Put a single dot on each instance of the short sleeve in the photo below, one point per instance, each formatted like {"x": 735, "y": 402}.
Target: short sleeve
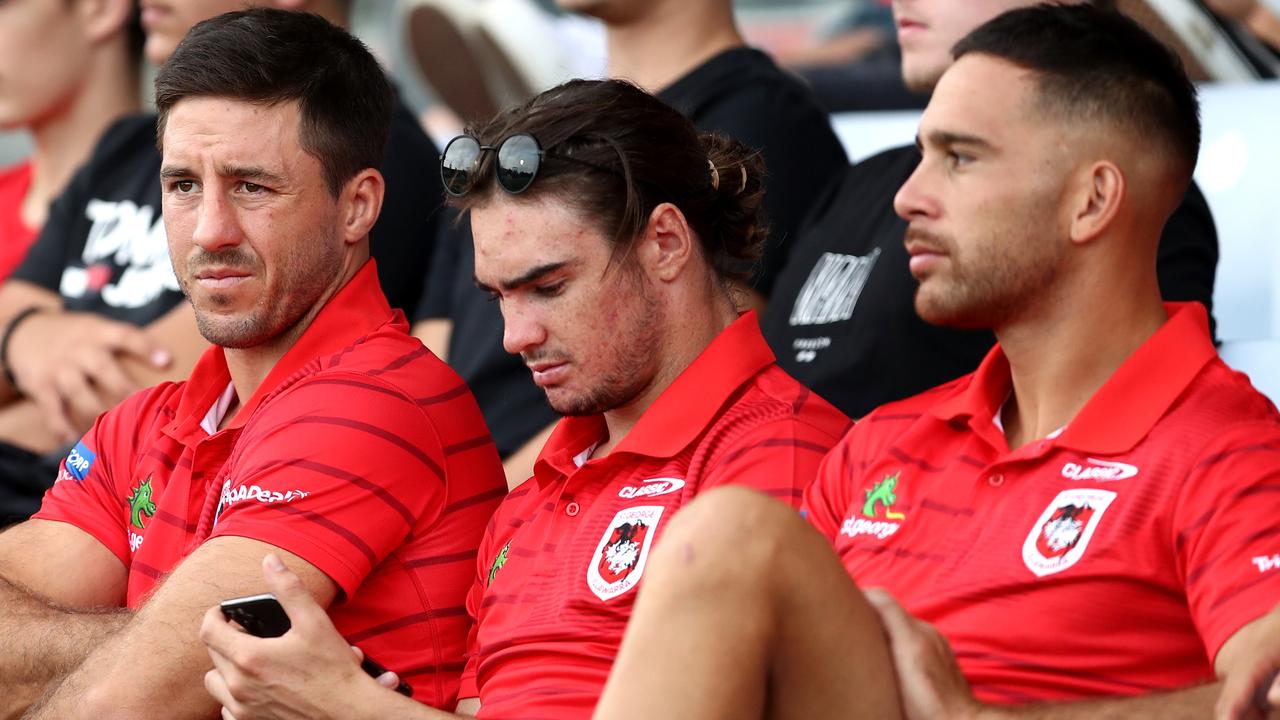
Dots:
{"x": 338, "y": 470}
{"x": 827, "y": 497}
{"x": 779, "y": 458}
{"x": 484, "y": 560}
{"x": 91, "y": 486}
{"x": 1228, "y": 534}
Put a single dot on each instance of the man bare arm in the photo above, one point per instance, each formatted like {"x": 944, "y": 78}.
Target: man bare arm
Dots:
{"x": 61, "y": 593}
{"x": 161, "y": 642}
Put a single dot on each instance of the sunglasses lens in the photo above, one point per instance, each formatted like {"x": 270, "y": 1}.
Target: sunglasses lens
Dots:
{"x": 518, "y": 158}
{"x": 458, "y": 164}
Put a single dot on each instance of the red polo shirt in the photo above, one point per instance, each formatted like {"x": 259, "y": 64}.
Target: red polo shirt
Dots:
{"x": 1112, "y": 559}
{"x": 361, "y": 452}
{"x": 561, "y": 559}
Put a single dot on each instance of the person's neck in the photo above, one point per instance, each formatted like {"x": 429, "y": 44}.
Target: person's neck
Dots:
{"x": 660, "y": 48}
{"x": 689, "y": 335}
{"x": 250, "y": 366}
{"x": 65, "y": 141}
{"x": 1064, "y": 354}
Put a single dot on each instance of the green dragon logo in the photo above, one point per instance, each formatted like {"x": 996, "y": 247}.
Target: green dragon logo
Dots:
{"x": 498, "y": 562}
{"x": 140, "y": 504}
{"x": 882, "y": 494}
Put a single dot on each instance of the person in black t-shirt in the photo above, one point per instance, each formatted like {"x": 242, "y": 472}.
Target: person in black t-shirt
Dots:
{"x": 691, "y": 55}
{"x": 842, "y": 318}
{"x": 95, "y": 312}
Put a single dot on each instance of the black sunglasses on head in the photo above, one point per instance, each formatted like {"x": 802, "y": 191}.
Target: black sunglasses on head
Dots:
{"x": 518, "y": 158}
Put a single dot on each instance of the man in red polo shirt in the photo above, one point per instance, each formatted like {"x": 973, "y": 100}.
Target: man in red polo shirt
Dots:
{"x": 611, "y": 232}
{"x": 316, "y": 432}
{"x": 1082, "y": 528}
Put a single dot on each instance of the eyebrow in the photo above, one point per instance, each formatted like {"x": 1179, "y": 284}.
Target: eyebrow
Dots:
{"x": 244, "y": 172}
{"x": 951, "y": 139}
{"x": 530, "y": 276}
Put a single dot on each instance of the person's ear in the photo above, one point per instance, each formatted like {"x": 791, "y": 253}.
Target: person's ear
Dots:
{"x": 103, "y": 19}
{"x": 1096, "y": 200}
{"x": 361, "y": 201}
{"x": 666, "y": 245}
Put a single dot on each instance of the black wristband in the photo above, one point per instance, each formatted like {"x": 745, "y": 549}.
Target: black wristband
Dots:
{"x": 4, "y": 343}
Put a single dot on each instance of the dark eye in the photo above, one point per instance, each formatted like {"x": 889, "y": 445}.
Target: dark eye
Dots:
{"x": 184, "y": 186}
{"x": 551, "y": 290}
{"x": 252, "y": 188}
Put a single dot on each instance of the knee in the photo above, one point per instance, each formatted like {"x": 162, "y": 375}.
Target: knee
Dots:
{"x": 729, "y": 535}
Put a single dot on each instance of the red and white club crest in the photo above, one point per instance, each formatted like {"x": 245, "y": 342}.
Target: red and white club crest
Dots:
{"x": 1060, "y": 536}
{"x": 619, "y": 559}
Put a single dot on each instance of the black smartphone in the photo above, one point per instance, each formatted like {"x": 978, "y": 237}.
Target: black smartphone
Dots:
{"x": 262, "y": 616}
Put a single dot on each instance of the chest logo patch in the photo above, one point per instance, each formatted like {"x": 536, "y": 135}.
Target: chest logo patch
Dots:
{"x": 620, "y": 556}
{"x": 651, "y": 487}
{"x": 141, "y": 506}
{"x": 1059, "y": 538}
{"x": 878, "y": 517}
{"x": 1098, "y": 471}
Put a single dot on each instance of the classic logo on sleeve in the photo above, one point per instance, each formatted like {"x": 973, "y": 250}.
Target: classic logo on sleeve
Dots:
{"x": 619, "y": 559}
{"x": 878, "y": 516}
{"x": 77, "y": 464}
{"x": 1060, "y": 536}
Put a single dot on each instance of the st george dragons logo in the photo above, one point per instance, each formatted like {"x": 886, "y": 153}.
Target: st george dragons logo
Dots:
{"x": 1059, "y": 538}
{"x": 619, "y": 559}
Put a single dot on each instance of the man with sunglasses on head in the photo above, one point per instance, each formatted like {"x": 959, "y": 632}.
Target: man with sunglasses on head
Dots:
{"x": 316, "y": 432}
{"x": 610, "y": 233}
{"x": 841, "y": 317}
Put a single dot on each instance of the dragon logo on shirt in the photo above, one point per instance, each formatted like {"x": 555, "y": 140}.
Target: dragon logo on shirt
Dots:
{"x": 881, "y": 496}
{"x": 140, "y": 504}
{"x": 498, "y": 561}
{"x": 620, "y": 556}
{"x": 1058, "y": 539}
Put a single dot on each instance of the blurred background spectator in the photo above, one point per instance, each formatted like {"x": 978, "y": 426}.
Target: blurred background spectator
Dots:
{"x": 68, "y": 69}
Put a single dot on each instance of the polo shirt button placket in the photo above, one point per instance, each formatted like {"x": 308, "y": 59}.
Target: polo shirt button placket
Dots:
{"x": 572, "y": 509}
{"x": 995, "y": 480}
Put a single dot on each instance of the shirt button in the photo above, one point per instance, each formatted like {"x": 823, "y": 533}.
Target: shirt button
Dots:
{"x": 572, "y": 509}
{"x": 995, "y": 480}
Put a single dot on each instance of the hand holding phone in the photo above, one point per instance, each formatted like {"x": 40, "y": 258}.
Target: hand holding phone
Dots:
{"x": 264, "y": 617}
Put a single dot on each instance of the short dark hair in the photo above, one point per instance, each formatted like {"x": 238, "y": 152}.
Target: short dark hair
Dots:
{"x": 614, "y": 152}
{"x": 1098, "y": 64}
{"x": 270, "y": 56}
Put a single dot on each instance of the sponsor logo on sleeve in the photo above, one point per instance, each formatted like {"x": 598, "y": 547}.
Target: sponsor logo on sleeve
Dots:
{"x": 1059, "y": 538}
{"x": 878, "y": 518}
{"x": 233, "y": 495}
{"x": 1098, "y": 471}
{"x": 1267, "y": 563}
{"x": 77, "y": 464}
{"x": 651, "y": 487}
{"x": 620, "y": 556}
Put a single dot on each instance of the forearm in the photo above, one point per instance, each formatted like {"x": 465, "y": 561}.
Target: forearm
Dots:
{"x": 1194, "y": 703}
{"x": 43, "y": 642}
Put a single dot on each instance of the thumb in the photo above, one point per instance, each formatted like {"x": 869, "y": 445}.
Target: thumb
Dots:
{"x": 896, "y": 621}
{"x": 289, "y": 590}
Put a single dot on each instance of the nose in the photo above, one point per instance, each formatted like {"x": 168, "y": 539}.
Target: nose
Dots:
{"x": 916, "y": 199}
{"x": 216, "y": 223}
{"x": 522, "y": 329}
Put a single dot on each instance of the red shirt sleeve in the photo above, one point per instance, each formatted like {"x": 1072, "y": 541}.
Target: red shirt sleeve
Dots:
{"x": 779, "y": 458}
{"x": 827, "y": 498}
{"x": 339, "y": 479}
{"x": 1227, "y": 535}
{"x": 93, "y": 479}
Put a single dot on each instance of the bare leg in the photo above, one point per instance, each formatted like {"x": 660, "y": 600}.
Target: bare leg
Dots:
{"x": 745, "y": 612}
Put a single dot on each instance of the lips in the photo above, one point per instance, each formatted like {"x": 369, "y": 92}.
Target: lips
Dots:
{"x": 220, "y": 278}
{"x": 154, "y": 13}
{"x": 546, "y": 374}
{"x": 924, "y": 255}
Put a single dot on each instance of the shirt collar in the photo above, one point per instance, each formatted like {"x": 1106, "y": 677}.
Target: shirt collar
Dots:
{"x": 356, "y": 310}
{"x": 682, "y": 411}
{"x": 1127, "y": 406}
